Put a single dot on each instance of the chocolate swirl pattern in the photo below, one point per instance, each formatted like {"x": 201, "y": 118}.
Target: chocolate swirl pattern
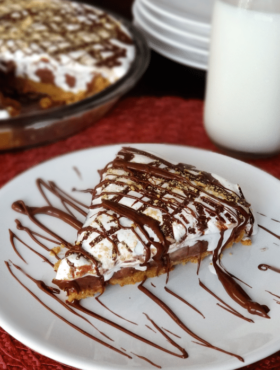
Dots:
{"x": 51, "y": 211}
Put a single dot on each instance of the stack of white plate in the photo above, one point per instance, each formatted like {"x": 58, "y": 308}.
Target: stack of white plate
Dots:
{"x": 177, "y": 29}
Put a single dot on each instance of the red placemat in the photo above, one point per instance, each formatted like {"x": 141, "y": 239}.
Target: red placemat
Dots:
{"x": 159, "y": 120}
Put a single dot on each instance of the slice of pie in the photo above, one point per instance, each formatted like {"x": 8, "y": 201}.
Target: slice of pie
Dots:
{"x": 148, "y": 215}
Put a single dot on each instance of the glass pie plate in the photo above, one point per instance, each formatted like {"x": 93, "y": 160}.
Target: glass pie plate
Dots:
{"x": 41, "y": 127}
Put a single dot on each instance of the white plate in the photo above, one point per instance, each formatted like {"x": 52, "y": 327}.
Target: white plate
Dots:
{"x": 172, "y": 33}
{"x": 197, "y": 11}
{"x": 185, "y": 23}
{"x": 28, "y": 321}
{"x": 169, "y": 51}
{"x": 187, "y": 56}
{"x": 179, "y": 52}
{"x": 140, "y": 18}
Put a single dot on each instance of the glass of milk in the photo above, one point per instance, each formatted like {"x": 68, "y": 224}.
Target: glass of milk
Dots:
{"x": 242, "y": 109}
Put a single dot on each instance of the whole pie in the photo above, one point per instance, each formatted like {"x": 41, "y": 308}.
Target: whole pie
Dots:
{"x": 57, "y": 52}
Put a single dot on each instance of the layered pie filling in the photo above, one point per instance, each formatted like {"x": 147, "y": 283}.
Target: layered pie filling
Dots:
{"x": 57, "y": 52}
{"x": 148, "y": 215}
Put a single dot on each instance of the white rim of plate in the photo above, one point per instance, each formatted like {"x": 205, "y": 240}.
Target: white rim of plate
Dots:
{"x": 141, "y": 8}
{"x": 174, "y": 57}
{"x": 174, "y": 16}
{"x": 139, "y": 20}
{"x": 185, "y": 61}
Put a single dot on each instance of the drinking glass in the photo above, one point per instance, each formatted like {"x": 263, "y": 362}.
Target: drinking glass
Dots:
{"x": 242, "y": 109}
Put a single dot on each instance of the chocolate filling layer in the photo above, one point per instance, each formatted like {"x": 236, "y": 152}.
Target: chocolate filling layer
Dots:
{"x": 94, "y": 282}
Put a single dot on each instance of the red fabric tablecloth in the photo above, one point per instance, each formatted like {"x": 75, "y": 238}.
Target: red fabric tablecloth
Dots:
{"x": 147, "y": 119}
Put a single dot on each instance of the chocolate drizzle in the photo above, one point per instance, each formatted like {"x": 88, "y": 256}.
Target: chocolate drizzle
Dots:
{"x": 147, "y": 360}
{"x": 170, "y": 332}
{"x": 32, "y": 234}
{"x": 171, "y": 341}
{"x": 65, "y": 198}
{"x": 50, "y": 291}
{"x": 150, "y": 328}
{"x": 76, "y": 304}
{"x": 75, "y": 168}
{"x": 270, "y": 232}
{"x": 14, "y": 236}
{"x": 31, "y": 212}
{"x": 229, "y": 308}
{"x": 264, "y": 267}
{"x": 63, "y": 319}
{"x": 277, "y": 296}
{"x": 183, "y": 300}
{"x": 141, "y": 220}
{"x": 233, "y": 289}
{"x": 164, "y": 306}
{"x": 103, "y": 305}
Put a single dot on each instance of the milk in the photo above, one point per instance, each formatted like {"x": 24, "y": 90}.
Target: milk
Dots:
{"x": 242, "y": 111}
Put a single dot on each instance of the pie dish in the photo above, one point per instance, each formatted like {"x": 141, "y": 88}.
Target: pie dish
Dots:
{"x": 58, "y": 52}
{"x": 63, "y": 65}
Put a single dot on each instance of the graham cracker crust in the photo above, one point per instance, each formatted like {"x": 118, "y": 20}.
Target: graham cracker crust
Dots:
{"x": 152, "y": 271}
{"x": 54, "y": 95}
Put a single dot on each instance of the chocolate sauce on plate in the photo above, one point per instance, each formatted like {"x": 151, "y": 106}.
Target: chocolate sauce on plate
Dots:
{"x": 270, "y": 232}
{"x": 48, "y": 291}
{"x": 151, "y": 328}
{"x": 14, "y": 236}
{"x": 264, "y": 267}
{"x": 273, "y": 294}
{"x": 170, "y": 332}
{"x": 183, "y": 300}
{"x": 229, "y": 308}
{"x": 164, "y": 306}
{"x": 76, "y": 304}
{"x": 103, "y": 305}
{"x": 31, "y": 212}
{"x": 147, "y": 360}
{"x": 171, "y": 341}
{"x": 77, "y": 172}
